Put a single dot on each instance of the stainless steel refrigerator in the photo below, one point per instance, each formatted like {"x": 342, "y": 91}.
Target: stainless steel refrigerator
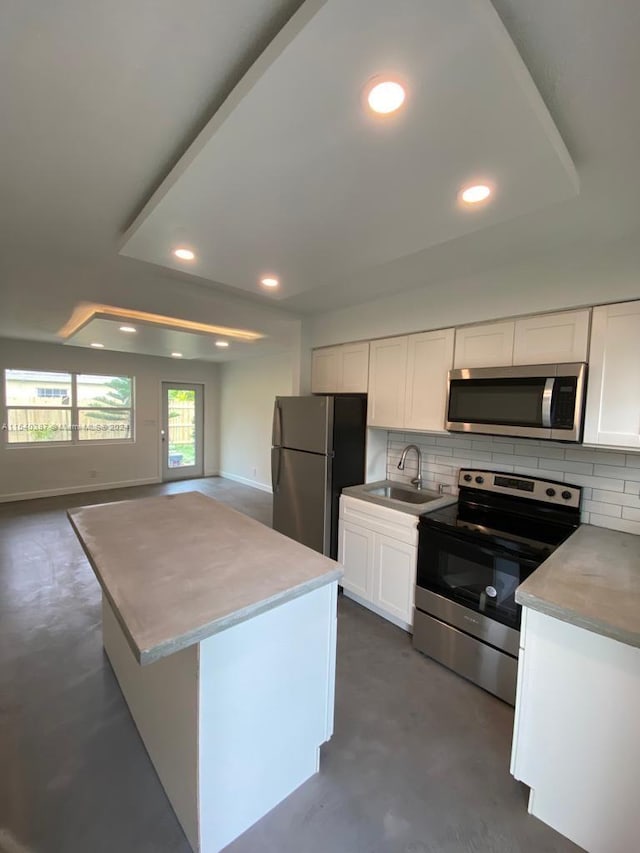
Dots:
{"x": 318, "y": 449}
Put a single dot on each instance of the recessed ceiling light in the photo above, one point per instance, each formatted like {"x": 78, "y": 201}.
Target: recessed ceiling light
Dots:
{"x": 386, "y": 96}
{"x": 98, "y": 346}
{"x": 222, "y": 343}
{"x": 270, "y": 281}
{"x": 475, "y": 193}
{"x": 176, "y": 355}
{"x": 184, "y": 254}
{"x": 128, "y": 329}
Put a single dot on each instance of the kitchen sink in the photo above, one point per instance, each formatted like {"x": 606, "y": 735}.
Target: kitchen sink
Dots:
{"x": 410, "y": 496}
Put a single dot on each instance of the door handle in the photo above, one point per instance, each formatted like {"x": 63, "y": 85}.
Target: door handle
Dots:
{"x": 276, "y": 433}
{"x": 275, "y": 469}
{"x": 547, "y": 397}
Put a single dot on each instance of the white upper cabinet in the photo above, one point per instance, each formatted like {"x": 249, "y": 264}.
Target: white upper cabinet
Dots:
{"x": 408, "y": 380}
{"x": 355, "y": 368}
{"x": 550, "y": 338}
{"x": 488, "y": 345}
{"x": 326, "y": 370}
{"x": 613, "y": 391}
{"x": 429, "y": 360}
{"x": 387, "y": 381}
{"x": 340, "y": 370}
{"x": 541, "y": 339}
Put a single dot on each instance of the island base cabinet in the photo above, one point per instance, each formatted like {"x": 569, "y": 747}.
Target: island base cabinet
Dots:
{"x": 234, "y": 724}
{"x": 576, "y": 739}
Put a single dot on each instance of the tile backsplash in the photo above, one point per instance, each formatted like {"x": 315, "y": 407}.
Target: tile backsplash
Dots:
{"x": 610, "y": 479}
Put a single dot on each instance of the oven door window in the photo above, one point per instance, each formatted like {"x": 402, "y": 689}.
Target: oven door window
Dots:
{"x": 512, "y": 402}
{"x": 484, "y": 579}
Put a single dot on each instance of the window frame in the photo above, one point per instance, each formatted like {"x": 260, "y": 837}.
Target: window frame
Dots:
{"x": 73, "y": 408}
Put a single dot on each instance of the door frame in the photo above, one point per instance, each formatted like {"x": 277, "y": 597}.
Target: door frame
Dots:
{"x": 192, "y": 471}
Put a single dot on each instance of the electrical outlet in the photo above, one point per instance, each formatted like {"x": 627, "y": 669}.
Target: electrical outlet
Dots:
{"x": 93, "y": 474}
{"x": 254, "y": 472}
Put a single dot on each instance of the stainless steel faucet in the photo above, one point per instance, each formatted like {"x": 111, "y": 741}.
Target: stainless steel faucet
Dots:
{"x": 417, "y": 481}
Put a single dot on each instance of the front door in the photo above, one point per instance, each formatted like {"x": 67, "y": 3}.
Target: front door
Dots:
{"x": 182, "y": 425}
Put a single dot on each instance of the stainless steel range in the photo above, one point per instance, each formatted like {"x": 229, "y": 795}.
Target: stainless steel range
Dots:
{"x": 471, "y": 558}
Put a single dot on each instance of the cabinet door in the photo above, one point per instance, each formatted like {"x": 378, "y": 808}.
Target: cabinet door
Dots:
{"x": 549, "y": 338}
{"x": 355, "y": 368}
{"x": 394, "y": 576}
{"x": 429, "y": 359}
{"x": 613, "y": 391}
{"x": 326, "y": 370}
{"x": 387, "y": 380}
{"x": 575, "y": 737}
{"x": 489, "y": 345}
{"x": 355, "y": 552}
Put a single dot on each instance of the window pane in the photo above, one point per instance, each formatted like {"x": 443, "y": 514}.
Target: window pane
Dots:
{"x": 107, "y": 391}
{"x": 37, "y": 388}
{"x": 98, "y": 424}
{"x": 38, "y": 425}
{"x": 181, "y": 426}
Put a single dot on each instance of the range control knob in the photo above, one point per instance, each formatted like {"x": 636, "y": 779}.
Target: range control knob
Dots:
{"x": 551, "y": 493}
{"x": 566, "y": 495}
{"x": 479, "y": 479}
{"x": 467, "y": 478}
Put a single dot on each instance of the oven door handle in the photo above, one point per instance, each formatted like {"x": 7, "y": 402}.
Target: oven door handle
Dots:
{"x": 527, "y": 557}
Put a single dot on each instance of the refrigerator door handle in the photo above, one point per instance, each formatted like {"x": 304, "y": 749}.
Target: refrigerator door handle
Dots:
{"x": 276, "y": 454}
{"x": 276, "y": 432}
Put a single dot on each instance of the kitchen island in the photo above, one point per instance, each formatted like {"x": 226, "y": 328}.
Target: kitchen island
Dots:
{"x": 575, "y": 741}
{"x": 222, "y": 635}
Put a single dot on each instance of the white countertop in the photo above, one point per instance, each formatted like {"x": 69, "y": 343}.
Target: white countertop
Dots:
{"x": 178, "y": 568}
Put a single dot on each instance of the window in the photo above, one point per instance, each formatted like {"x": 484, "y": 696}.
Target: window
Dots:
{"x": 52, "y": 392}
{"x": 46, "y": 406}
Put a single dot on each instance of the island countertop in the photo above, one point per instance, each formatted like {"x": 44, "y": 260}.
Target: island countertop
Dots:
{"x": 592, "y": 580}
{"x": 178, "y": 568}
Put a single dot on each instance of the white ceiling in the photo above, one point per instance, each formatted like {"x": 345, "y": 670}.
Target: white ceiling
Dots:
{"x": 294, "y": 176}
{"x": 99, "y": 100}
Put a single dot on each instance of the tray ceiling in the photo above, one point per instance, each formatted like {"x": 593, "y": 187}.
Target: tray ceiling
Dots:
{"x": 294, "y": 177}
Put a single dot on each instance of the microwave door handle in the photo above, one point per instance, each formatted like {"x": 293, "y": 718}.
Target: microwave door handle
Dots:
{"x": 547, "y": 398}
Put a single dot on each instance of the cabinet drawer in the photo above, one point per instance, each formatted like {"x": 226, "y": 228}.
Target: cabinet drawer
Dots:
{"x": 398, "y": 525}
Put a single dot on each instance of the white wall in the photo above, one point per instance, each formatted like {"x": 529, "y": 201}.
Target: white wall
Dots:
{"x": 40, "y": 470}
{"x": 567, "y": 280}
{"x": 248, "y": 389}
{"x": 610, "y": 479}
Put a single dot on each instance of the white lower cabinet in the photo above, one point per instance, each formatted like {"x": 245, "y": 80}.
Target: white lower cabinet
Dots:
{"x": 355, "y": 552}
{"x": 378, "y": 548}
{"x": 394, "y": 576}
{"x": 575, "y": 738}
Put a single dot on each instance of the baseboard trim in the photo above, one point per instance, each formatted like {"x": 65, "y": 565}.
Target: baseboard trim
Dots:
{"x": 74, "y": 490}
{"x": 264, "y": 487}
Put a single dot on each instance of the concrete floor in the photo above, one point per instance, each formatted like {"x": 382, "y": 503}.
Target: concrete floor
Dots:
{"x": 418, "y": 763}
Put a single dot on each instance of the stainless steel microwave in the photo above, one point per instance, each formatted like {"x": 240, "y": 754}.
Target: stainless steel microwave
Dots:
{"x": 530, "y": 401}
